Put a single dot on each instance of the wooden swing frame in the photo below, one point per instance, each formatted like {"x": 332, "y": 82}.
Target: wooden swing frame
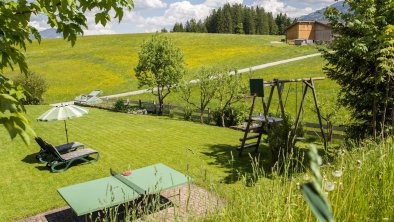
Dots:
{"x": 309, "y": 83}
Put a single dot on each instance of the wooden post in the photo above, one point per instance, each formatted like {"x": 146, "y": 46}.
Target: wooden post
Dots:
{"x": 209, "y": 115}
{"x": 329, "y": 129}
{"x": 299, "y": 111}
{"x": 247, "y": 126}
{"x": 270, "y": 99}
{"x": 140, "y": 103}
{"x": 280, "y": 89}
{"x": 265, "y": 110}
{"x": 154, "y": 104}
{"x": 392, "y": 120}
{"x": 318, "y": 114}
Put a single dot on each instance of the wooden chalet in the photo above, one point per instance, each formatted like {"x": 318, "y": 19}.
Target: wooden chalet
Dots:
{"x": 308, "y": 32}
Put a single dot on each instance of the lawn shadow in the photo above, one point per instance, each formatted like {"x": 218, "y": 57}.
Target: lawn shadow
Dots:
{"x": 31, "y": 159}
{"x": 227, "y": 156}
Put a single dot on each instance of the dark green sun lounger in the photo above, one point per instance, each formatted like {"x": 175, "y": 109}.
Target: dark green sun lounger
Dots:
{"x": 44, "y": 154}
{"x": 61, "y": 162}
{"x": 91, "y": 196}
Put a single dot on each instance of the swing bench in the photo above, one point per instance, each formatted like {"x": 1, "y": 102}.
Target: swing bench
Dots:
{"x": 257, "y": 90}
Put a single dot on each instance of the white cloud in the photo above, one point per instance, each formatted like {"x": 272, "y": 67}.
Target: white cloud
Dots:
{"x": 184, "y": 10}
{"x": 326, "y": 2}
{"x": 97, "y": 29}
{"x": 143, "y": 4}
{"x": 218, "y": 3}
{"x": 39, "y": 22}
{"x": 175, "y": 12}
{"x": 180, "y": 11}
{"x": 39, "y": 25}
{"x": 277, "y": 7}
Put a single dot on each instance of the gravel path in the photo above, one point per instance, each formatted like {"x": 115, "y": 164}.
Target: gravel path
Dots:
{"x": 240, "y": 71}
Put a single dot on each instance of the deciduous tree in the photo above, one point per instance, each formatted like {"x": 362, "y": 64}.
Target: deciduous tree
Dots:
{"x": 160, "y": 67}
{"x": 206, "y": 84}
{"x": 231, "y": 89}
{"x": 35, "y": 85}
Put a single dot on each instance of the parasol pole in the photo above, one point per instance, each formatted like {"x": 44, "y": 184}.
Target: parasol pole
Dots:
{"x": 65, "y": 127}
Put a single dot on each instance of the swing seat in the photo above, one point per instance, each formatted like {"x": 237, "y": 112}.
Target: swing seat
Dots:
{"x": 269, "y": 119}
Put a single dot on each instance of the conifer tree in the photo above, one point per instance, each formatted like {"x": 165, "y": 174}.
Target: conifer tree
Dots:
{"x": 272, "y": 24}
{"x": 361, "y": 60}
{"x": 227, "y": 24}
{"x": 249, "y": 22}
{"x": 266, "y": 26}
{"x": 259, "y": 20}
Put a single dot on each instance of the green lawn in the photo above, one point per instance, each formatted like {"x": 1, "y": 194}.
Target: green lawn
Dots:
{"x": 257, "y": 193}
{"x": 107, "y": 62}
{"x": 28, "y": 188}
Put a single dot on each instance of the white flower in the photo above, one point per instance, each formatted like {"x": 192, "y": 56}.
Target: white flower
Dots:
{"x": 329, "y": 186}
{"x": 337, "y": 173}
{"x": 319, "y": 161}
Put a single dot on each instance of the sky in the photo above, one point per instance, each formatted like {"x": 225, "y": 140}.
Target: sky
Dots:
{"x": 153, "y": 15}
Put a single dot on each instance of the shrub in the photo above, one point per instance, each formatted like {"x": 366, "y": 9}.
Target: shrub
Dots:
{"x": 280, "y": 138}
{"x": 119, "y": 106}
{"x": 35, "y": 85}
{"x": 232, "y": 116}
{"x": 188, "y": 112}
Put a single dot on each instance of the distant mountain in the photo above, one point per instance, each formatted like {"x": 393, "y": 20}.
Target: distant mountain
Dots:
{"x": 319, "y": 14}
{"x": 50, "y": 34}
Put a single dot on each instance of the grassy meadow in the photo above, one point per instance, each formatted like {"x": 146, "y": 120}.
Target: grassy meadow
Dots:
{"x": 107, "y": 62}
{"x": 252, "y": 190}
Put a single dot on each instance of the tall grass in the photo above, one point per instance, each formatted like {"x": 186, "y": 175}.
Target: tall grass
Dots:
{"x": 359, "y": 185}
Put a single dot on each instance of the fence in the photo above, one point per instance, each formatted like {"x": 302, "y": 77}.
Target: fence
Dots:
{"x": 313, "y": 129}
{"x": 331, "y": 132}
{"x": 153, "y": 107}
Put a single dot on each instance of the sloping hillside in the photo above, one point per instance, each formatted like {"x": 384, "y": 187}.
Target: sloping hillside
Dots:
{"x": 107, "y": 62}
